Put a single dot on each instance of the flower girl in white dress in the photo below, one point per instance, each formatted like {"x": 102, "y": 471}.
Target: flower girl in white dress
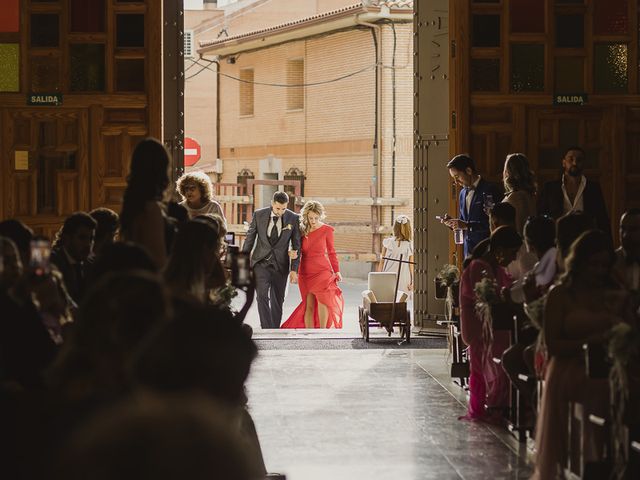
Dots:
{"x": 393, "y": 247}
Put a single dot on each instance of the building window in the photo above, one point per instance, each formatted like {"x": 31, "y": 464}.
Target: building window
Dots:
{"x": 294, "y": 174}
{"x": 244, "y": 175}
{"x": 295, "y": 77}
{"x": 246, "y": 92}
{"x": 188, "y": 44}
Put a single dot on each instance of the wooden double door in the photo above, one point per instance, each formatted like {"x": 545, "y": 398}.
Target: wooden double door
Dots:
{"x": 544, "y": 132}
{"x": 56, "y": 162}
{"x": 45, "y": 172}
{"x": 551, "y": 131}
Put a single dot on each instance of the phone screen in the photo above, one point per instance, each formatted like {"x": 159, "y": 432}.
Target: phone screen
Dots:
{"x": 241, "y": 269}
{"x": 40, "y": 255}
{"x": 230, "y": 238}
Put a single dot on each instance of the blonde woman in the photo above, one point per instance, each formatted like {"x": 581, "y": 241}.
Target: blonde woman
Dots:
{"x": 319, "y": 273}
{"x": 196, "y": 190}
{"x": 393, "y": 247}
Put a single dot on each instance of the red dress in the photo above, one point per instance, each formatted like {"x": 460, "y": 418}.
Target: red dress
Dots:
{"x": 318, "y": 275}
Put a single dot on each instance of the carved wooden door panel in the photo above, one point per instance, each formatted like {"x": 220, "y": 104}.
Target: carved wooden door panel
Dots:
{"x": 551, "y": 131}
{"x": 46, "y": 169}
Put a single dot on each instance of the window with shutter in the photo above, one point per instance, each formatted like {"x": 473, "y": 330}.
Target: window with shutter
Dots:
{"x": 246, "y": 92}
{"x": 295, "y": 77}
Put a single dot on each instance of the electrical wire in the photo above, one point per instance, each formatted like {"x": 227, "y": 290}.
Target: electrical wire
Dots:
{"x": 282, "y": 85}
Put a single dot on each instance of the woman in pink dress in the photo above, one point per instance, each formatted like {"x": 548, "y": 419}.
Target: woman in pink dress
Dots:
{"x": 488, "y": 385}
{"x": 319, "y": 273}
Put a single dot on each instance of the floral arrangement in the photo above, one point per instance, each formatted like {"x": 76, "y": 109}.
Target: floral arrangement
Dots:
{"x": 449, "y": 275}
{"x": 487, "y": 294}
{"x": 535, "y": 311}
{"x": 624, "y": 351}
{"x": 486, "y": 291}
{"x": 223, "y": 296}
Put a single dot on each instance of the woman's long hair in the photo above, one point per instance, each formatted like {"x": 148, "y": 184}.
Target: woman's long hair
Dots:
{"x": 311, "y": 206}
{"x": 518, "y": 174}
{"x": 582, "y": 249}
{"x": 402, "y": 228}
{"x": 193, "y": 256}
{"x": 148, "y": 179}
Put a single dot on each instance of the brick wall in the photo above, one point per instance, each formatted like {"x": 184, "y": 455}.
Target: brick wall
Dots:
{"x": 331, "y": 139}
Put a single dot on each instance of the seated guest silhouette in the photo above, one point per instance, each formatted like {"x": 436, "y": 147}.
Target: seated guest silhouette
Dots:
{"x": 626, "y": 269}
{"x": 71, "y": 250}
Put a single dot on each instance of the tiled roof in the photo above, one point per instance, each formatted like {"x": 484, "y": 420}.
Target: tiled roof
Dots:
{"x": 404, "y": 4}
{"x": 400, "y": 5}
{"x": 355, "y": 7}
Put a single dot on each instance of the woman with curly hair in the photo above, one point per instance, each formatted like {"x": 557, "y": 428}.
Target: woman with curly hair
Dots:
{"x": 319, "y": 273}
{"x": 196, "y": 190}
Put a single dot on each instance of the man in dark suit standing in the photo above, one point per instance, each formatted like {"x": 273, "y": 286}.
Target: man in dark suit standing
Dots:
{"x": 574, "y": 193}
{"x": 271, "y": 232}
{"x": 477, "y": 197}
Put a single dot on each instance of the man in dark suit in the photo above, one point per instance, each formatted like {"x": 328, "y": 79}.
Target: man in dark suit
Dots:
{"x": 477, "y": 197}
{"x": 271, "y": 232}
{"x": 71, "y": 251}
{"x": 574, "y": 192}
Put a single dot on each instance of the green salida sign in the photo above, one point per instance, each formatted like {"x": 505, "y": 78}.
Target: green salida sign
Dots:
{"x": 569, "y": 98}
{"x": 44, "y": 99}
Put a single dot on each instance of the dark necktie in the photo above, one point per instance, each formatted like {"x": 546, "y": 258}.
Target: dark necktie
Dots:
{"x": 273, "y": 238}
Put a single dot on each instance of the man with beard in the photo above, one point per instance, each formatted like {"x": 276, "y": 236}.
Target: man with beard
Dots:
{"x": 574, "y": 192}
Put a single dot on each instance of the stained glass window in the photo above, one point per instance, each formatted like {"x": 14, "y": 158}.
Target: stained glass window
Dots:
{"x": 527, "y": 68}
{"x": 610, "y": 68}
{"x": 10, "y": 71}
{"x": 570, "y": 31}
{"x": 485, "y": 75}
{"x": 45, "y": 30}
{"x": 610, "y": 17}
{"x": 45, "y": 73}
{"x": 10, "y": 18}
{"x": 130, "y": 75}
{"x": 129, "y": 31}
{"x": 87, "y": 67}
{"x": 527, "y": 16}
{"x": 87, "y": 16}
{"x": 569, "y": 75}
{"x": 486, "y": 31}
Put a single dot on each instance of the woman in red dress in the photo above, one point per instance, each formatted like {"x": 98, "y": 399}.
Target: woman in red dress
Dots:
{"x": 319, "y": 273}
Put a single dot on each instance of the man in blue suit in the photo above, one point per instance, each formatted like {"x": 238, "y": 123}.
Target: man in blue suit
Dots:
{"x": 476, "y": 199}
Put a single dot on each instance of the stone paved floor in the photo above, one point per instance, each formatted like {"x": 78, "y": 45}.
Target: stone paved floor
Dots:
{"x": 375, "y": 415}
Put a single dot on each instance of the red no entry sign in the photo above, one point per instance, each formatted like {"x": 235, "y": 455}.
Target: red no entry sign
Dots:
{"x": 191, "y": 152}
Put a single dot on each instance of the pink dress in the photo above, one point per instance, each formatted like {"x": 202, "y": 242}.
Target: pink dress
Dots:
{"x": 318, "y": 275}
{"x": 488, "y": 384}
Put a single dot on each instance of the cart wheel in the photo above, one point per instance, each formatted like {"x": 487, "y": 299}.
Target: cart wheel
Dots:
{"x": 366, "y": 327}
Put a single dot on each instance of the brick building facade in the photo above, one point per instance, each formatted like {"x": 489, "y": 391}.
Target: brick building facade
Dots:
{"x": 325, "y": 131}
